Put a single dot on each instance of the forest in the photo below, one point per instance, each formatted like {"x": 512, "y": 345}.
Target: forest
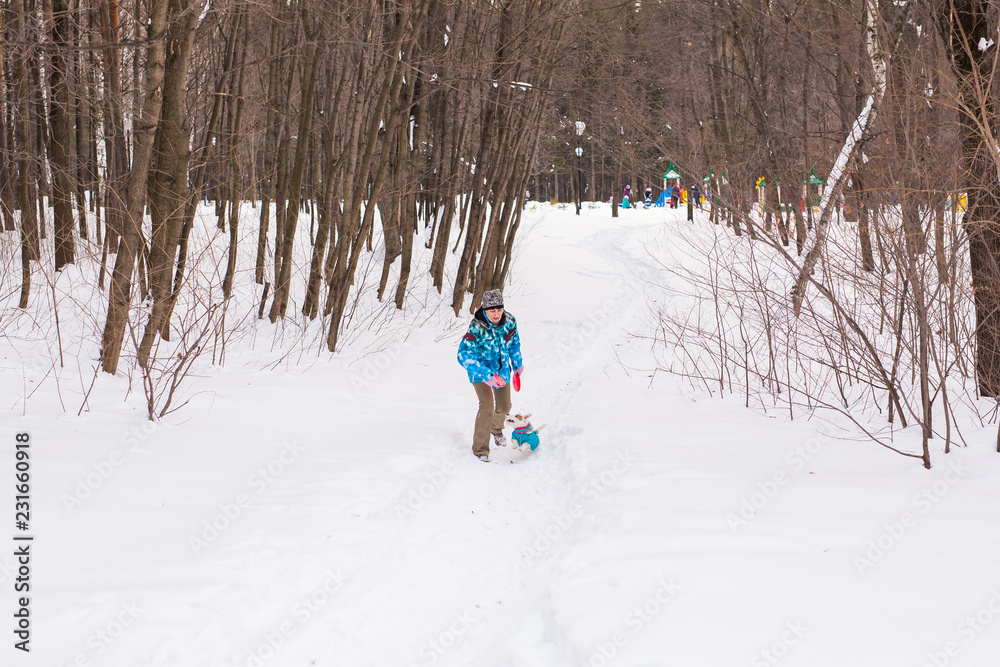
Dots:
{"x": 355, "y": 125}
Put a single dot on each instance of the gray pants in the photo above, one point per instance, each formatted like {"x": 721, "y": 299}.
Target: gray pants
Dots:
{"x": 494, "y": 404}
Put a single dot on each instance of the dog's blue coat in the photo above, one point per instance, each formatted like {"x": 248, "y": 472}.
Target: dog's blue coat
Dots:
{"x": 525, "y": 434}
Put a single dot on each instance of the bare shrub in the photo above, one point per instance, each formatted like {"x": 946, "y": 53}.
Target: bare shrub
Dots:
{"x": 893, "y": 342}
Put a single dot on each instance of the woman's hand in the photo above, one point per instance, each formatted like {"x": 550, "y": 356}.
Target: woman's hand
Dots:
{"x": 496, "y": 382}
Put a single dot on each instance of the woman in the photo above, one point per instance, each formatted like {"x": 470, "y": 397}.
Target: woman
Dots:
{"x": 490, "y": 352}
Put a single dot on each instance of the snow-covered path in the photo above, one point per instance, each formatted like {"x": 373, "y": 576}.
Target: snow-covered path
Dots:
{"x": 336, "y": 514}
{"x": 331, "y": 513}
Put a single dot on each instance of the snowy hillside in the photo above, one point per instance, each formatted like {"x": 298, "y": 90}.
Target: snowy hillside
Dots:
{"x": 306, "y": 509}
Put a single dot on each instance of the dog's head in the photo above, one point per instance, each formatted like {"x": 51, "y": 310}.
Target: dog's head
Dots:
{"x": 519, "y": 420}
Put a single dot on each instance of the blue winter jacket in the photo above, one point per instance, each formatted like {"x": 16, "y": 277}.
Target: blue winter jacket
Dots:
{"x": 489, "y": 349}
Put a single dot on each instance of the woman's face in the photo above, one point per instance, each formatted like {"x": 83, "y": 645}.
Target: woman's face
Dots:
{"x": 494, "y": 315}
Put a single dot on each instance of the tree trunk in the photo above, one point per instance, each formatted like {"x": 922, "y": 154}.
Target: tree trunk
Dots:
{"x": 965, "y": 26}
{"x": 168, "y": 187}
{"x": 57, "y": 20}
{"x": 242, "y": 26}
{"x": 291, "y": 216}
{"x": 114, "y": 126}
{"x": 121, "y": 280}
{"x": 272, "y": 123}
{"x": 858, "y": 198}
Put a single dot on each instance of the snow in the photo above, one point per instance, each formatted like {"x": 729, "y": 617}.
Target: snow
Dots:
{"x": 308, "y": 508}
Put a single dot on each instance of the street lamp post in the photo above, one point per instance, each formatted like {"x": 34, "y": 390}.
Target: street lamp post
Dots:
{"x": 579, "y": 174}
{"x": 580, "y": 127}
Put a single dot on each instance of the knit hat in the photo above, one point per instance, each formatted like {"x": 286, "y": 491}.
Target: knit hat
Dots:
{"x": 492, "y": 299}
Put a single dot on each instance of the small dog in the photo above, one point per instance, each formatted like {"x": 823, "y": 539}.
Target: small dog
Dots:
{"x": 524, "y": 436}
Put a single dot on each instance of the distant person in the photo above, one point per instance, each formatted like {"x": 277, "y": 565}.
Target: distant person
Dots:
{"x": 490, "y": 352}
{"x": 696, "y": 194}
{"x": 627, "y": 194}
{"x": 675, "y": 195}
{"x": 648, "y": 200}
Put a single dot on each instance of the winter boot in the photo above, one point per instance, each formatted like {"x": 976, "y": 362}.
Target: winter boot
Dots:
{"x": 499, "y": 440}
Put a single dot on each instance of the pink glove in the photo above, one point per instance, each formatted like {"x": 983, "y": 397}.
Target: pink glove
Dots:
{"x": 496, "y": 382}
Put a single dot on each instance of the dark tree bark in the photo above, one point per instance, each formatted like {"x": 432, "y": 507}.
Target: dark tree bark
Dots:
{"x": 965, "y": 24}
{"x": 121, "y": 280}
{"x": 313, "y": 50}
{"x": 168, "y": 188}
